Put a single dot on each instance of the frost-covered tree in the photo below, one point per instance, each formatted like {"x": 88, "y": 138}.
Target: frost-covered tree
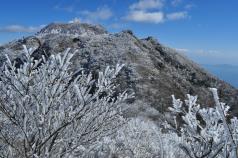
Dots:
{"x": 48, "y": 111}
{"x": 206, "y": 132}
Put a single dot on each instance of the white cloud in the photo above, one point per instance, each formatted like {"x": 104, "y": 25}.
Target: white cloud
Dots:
{"x": 150, "y": 11}
{"x": 182, "y": 50}
{"x": 75, "y": 20}
{"x": 214, "y": 52}
{"x": 189, "y": 6}
{"x": 154, "y": 17}
{"x": 176, "y": 2}
{"x": 20, "y": 28}
{"x": 203, "y": 56}
{"x": 208, "y": 53}
{"x": 147, "y": 17}
{"x": 147, "y": 4}
{"x": 103, "y": 13}
{"x": 177, "y": 16}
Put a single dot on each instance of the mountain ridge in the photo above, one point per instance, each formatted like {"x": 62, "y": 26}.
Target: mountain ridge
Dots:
{"x": 154, "y": 72}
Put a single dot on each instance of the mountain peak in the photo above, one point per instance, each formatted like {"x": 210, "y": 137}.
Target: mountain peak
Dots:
{"x": 72, "y": 29}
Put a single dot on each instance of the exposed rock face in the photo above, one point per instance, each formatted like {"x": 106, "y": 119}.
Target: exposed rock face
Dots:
{"x": 153, "y": 71}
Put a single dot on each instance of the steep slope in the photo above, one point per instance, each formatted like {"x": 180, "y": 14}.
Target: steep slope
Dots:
{"x": 153, "y": 71}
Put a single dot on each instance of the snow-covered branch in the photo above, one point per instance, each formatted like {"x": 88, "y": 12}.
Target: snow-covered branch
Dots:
{"x": 206, "y": 132}
{"x": 46, "y": 111}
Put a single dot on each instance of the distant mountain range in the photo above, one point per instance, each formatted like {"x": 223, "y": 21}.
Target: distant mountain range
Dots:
{"x": 228, "y": 73}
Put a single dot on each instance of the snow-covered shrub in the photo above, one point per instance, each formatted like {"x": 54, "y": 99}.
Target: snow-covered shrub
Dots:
{"x": 206, "y": 132}
{"x": 139, "y": 138}
{"x": 47, "y": 111}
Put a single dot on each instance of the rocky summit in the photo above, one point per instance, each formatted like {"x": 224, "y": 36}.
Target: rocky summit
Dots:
{"x": 153, "y": 71}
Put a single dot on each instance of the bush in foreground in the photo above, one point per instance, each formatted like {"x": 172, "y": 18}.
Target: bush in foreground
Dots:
{"x": 47, "y": 111}
{"x": 206, "y": 132}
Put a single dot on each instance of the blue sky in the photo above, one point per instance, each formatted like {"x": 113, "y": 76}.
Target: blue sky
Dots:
{"x": 204, "y": 30}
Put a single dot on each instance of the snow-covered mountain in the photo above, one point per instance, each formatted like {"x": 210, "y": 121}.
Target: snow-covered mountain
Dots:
{"x": 154, "y": 72}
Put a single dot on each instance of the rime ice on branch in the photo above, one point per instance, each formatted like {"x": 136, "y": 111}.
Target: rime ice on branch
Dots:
{"x": 47, "y": 111}
{"x": 206, "y": 132}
